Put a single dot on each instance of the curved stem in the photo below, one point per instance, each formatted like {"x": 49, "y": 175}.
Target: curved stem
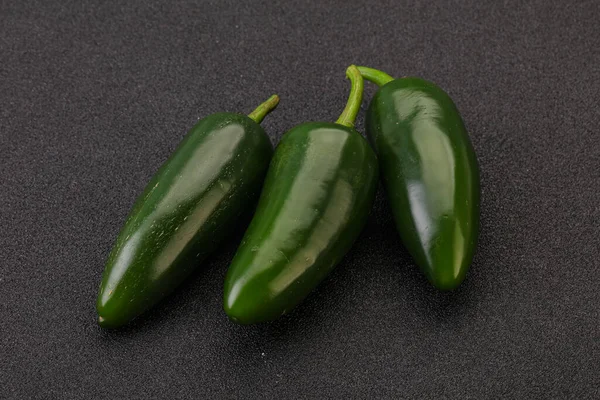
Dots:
{"x": 263, "y": 109}
{"x": 354, "y": 99}
{"x": 376, "y": 76}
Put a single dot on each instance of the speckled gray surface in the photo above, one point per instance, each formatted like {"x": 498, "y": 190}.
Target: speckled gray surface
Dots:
{"x": 95, "y": 95}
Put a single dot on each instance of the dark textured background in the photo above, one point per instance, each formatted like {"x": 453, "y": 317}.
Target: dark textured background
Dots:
{"x": 95, "y": 95}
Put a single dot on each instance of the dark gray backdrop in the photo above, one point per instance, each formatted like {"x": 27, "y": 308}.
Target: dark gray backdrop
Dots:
{"x": 95, "y": 95}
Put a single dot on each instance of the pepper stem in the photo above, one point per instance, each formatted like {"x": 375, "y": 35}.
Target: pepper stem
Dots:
{"x": 262, "y": 110}
{"x": 354, "y": 99}
{"x": 376, "y": 76}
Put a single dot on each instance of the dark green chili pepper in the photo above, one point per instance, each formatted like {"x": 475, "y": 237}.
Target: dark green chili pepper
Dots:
{"x": 429, "y": 169}
{"x": 189, "y": 206}
{"x": 316, "y": 198}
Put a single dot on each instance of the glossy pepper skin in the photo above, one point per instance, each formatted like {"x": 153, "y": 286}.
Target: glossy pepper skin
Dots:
{"x": 430, "y": 172}
{"x": 317, "y": 195}
{"x": 185, "y": 211}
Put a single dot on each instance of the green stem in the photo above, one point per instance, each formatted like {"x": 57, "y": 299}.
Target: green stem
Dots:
{"x": 265, "y": 108}
{"x": 354, "y": 99}
{"x": 376, "y": 76}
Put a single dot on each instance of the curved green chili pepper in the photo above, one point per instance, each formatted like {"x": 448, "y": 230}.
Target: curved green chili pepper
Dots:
{"x": 430, "y": 173}
{"x": 317, "y": 195}
{"x": 188, "y": 207}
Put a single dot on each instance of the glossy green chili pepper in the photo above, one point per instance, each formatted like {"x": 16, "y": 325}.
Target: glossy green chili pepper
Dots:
{"x": 189, "y": 206}
{"x": 317, "y": 195}
{"x": 430, "y": 173}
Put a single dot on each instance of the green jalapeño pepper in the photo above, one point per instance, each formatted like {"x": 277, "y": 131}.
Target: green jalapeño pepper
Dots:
{"x": 187, "y": 208}
{"x": 429, "y": 169}
{"x": 316, "y": 199}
